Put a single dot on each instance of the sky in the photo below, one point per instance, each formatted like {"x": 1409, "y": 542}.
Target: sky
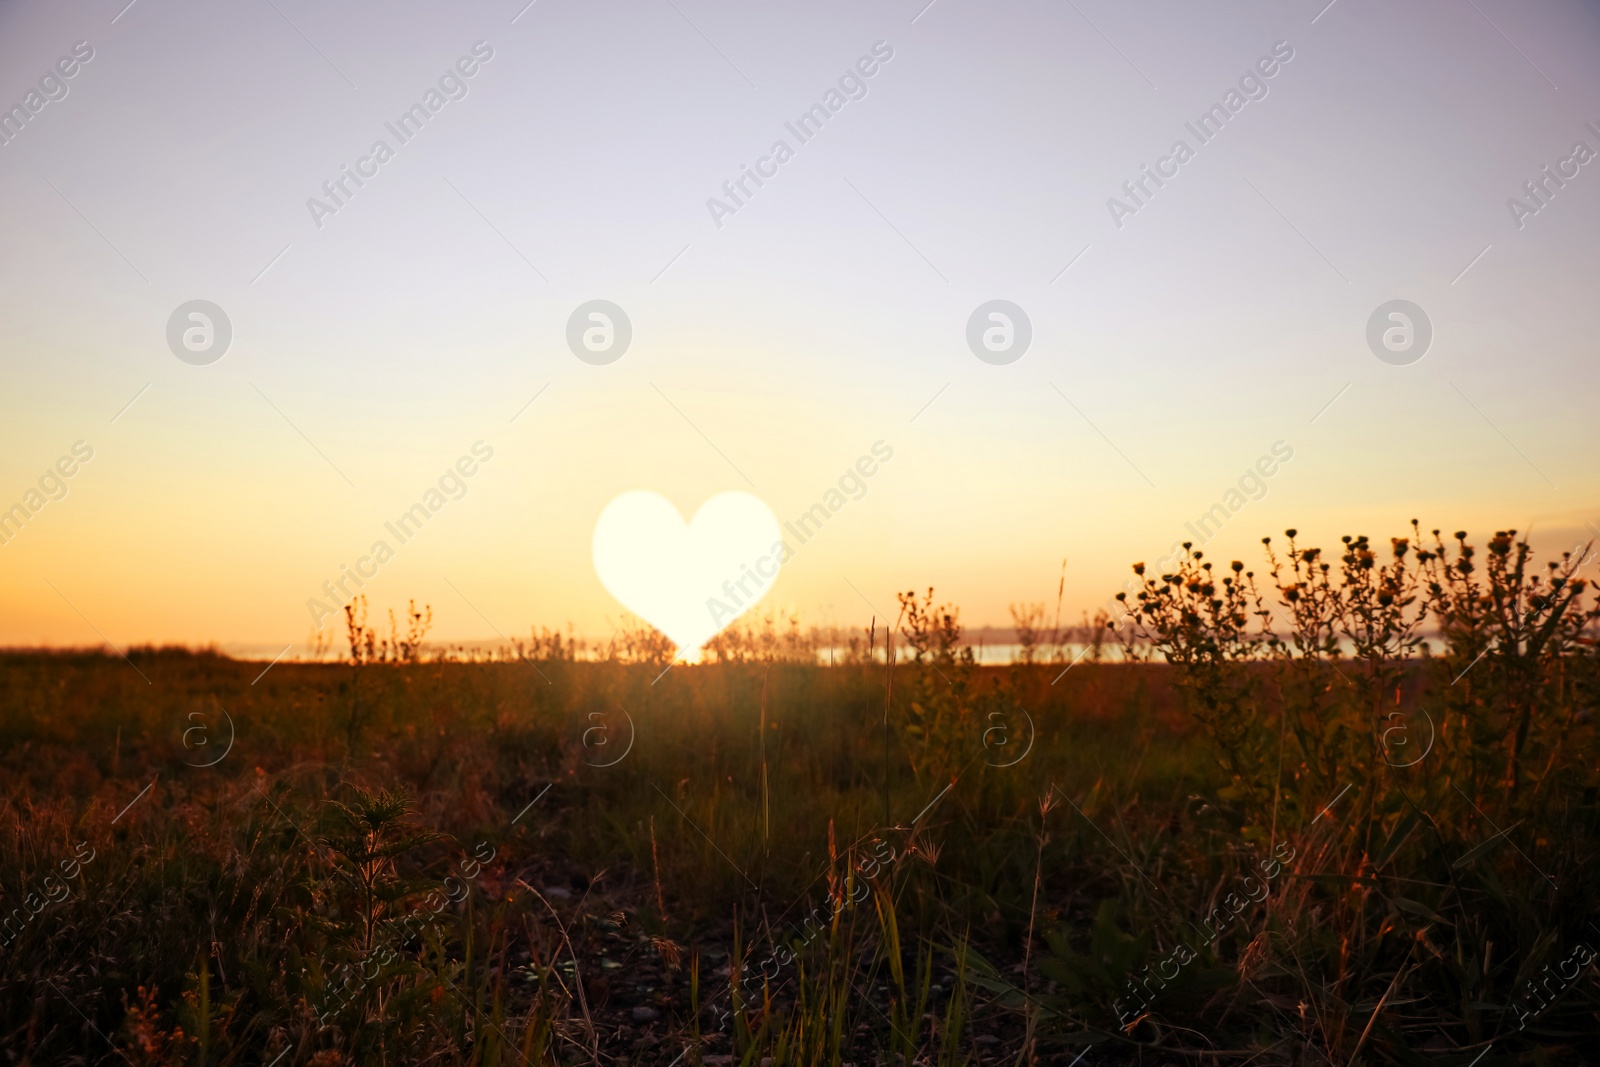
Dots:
{"x": 1179, "y": 333}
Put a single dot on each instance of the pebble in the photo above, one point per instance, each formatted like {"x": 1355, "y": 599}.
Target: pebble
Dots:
{"x": 646, "y": 1014}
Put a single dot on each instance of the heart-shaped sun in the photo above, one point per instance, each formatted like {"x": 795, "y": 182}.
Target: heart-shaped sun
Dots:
{"x": 688, "y": 580}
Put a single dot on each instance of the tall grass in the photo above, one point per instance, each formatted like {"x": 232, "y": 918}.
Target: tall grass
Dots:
{"x": 1341, "y": 808}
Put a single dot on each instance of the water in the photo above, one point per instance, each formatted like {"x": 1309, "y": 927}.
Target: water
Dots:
{"x": 986, "y": 654}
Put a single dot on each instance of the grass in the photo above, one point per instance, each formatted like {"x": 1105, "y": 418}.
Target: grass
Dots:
{"x": 1341, "y": 812}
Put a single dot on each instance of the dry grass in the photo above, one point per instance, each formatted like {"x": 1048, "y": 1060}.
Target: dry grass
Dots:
{"x": 1227, "y": 856}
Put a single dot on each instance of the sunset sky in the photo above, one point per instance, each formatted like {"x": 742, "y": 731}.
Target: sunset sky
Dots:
{"x": 775, "y": 339}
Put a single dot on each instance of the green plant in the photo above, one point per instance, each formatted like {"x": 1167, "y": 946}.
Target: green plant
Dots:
{"x": 375, "y": 830}
{"x": 937, "y": 718}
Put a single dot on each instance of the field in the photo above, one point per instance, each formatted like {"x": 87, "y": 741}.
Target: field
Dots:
{"x": 1332, "y": 806}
